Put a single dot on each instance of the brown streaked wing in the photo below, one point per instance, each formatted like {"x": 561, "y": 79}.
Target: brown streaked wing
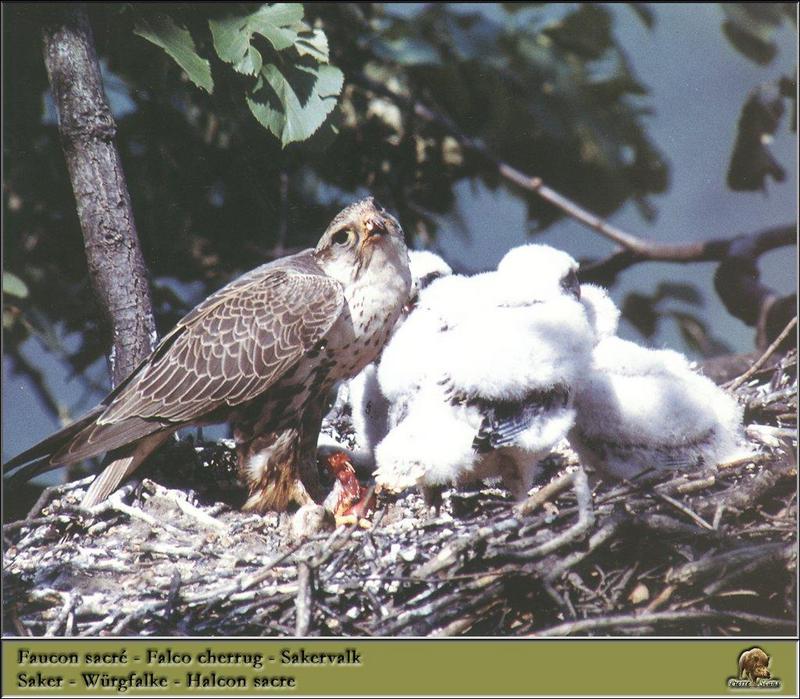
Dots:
{"x": 234, "y": 345}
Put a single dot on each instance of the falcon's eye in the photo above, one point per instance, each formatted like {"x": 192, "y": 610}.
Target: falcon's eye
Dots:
{"x": 341, "y": 237}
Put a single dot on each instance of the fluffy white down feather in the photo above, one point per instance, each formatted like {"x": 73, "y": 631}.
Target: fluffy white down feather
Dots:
{"x": 602, "y": 311}
{"x": 476, "y": 347}
{"x": 640, "y": 409}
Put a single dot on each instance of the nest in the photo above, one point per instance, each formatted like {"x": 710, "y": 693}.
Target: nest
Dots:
{"x": 690, "y": 554}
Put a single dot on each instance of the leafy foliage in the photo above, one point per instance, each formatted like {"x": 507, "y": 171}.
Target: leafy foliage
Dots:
{"x": 161, "y": 30}
{"x": 752, "y": 162}
{"x": 294, "y": 87}
{"x": 750, "y": 27}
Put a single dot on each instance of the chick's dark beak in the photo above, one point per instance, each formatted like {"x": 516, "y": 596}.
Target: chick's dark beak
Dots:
{"x": 571, "y": 285}
{"x": 413, "y": 299}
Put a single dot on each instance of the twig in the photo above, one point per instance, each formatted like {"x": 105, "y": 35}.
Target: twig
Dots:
{"x": 115, "y": 503}
{"x": 758, "y": 563}
{"x": 244, "y": 581}
{"x": 545, "y": 493}
{"x": 53, "y": 490}
{"x": 699, "y": 484}
{"x": 35, "y": 522}
{"x": 715, "y": 250}
{"x": 710, "y": 566}
{"x": 595, "y": 542}
{"x": 304, "y": 600}
{"x": 449, "y": 555}
{"x": 179, "y": 498}
{"x": 657, "y": 619}
{"x": 665, "y": 525}
{"x": 733, "y": 385}
{"x": 687, "y": 511}
{"x": 747, "y": 493}
{"x": 70, "y": 601}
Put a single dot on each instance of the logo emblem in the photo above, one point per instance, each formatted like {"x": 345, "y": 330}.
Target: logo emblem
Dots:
{"x": 754, "y": 671}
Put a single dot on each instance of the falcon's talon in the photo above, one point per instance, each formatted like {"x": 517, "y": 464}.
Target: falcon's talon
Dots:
{"x": 352, "y": 520}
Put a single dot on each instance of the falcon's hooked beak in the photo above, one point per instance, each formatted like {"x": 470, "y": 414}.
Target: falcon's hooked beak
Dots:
{"x": 374, "y": 227}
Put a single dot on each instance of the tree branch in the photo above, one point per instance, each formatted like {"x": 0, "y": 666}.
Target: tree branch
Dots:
{"x": 605, "y": 271}
{"x": 736, "y": 280}
{"x": 531, "y": 184}
{"x": 87, "y": 130}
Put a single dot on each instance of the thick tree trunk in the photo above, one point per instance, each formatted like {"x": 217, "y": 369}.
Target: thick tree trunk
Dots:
{"x": 87, "y": 129}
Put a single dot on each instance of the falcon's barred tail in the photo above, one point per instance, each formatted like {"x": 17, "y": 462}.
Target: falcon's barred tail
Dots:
{"x": 81, "y": 440}
{"x": 124, "y": 462}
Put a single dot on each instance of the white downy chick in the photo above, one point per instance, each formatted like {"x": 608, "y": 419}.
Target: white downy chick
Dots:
{"x": 480, "y": 375}
{"x": 641, "y": 409}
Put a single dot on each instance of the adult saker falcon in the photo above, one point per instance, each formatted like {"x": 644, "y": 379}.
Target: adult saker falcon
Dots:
{"x": 261, "y": 353}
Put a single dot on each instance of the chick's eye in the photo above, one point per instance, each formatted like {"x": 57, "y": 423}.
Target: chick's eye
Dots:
{"x": 341, "y": 237}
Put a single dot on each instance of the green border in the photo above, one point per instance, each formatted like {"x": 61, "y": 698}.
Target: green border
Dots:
{"x": 419, "y": 667}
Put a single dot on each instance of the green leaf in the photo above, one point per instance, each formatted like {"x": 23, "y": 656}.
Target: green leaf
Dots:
{"x": 251, "y": 63}
{"x": 231, "y": 38}
{"x": 313, "y": 43}
{"x": 586, "y": 32}
{"x": 276, "y": 23}
{"x": 752, "y": 162}
{"x": 751, "y": 29}
{"x": 14, "y": 286}
{"x": 161, "y": 30}
{"x": 293, "y": 102}
{"x": 679, "y": 291}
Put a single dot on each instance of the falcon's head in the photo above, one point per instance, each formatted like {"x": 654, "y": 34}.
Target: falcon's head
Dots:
{"x": 363, "y": 238}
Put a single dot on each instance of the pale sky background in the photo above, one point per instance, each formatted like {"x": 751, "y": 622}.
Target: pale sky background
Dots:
{"x": 694, "y": 125}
